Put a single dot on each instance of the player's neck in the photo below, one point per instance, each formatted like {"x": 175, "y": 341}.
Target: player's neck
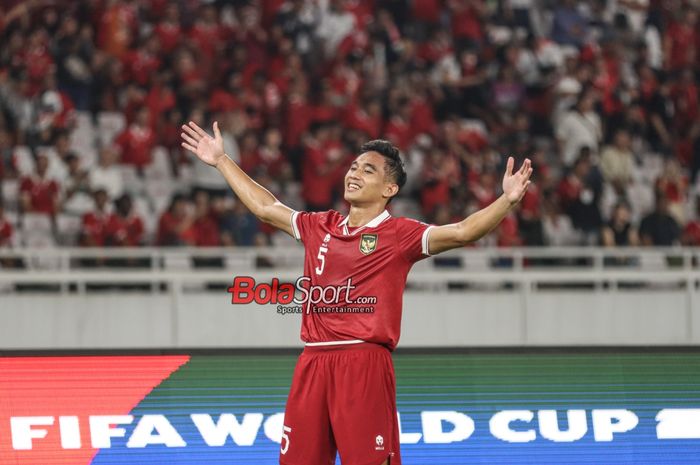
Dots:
{"x": 361, "y": 215}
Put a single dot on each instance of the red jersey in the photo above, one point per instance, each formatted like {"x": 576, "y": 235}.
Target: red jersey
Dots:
{"x": 376, "y": 258}
{"x": 42, "y": 192}
{"x": 169, "y": 35}
{"x": 136, "y": 144}
{"x": 94, "y": 228}
{"x": 121, "y": 231}
{"x": 5, "y": 233}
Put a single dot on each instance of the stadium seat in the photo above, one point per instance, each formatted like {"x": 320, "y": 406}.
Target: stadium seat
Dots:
{"x": 37, "y": 231}
{"x": 24, "y": 160}
{"x": 160, "y": 166}
{"x": 109, "y": 126}
{"x": 142, "y": 208}
{"x": 68, "y": 228}
{"x": 10, "y": 194}
{"x": 159, "y": 191}
{"x": 78, "y": 204}
{"x": 133, "y": 184}
{"x": 83, "y": 139}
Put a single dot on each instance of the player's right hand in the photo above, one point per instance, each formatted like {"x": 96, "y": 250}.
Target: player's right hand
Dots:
{"x": 208, "y": 149}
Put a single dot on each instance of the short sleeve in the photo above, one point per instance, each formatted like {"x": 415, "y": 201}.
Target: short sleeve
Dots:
{"x": 303, "y": 223}
{"x": 412, "y": 238}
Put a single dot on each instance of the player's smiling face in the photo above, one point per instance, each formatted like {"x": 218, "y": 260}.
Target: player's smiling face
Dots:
{"x": 366, "y": 180}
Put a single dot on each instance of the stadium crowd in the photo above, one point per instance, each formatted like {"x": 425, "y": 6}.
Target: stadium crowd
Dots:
{"x": 602, "y": 95}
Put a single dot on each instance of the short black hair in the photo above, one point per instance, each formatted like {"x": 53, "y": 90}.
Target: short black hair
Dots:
{"x": 393, "y": 164}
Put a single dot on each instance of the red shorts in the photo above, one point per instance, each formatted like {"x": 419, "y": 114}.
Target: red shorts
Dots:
{"x": 342, "y": 399}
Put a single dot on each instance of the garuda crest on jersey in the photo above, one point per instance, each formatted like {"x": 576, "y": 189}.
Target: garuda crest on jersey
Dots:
{"x": 368, "y": 243}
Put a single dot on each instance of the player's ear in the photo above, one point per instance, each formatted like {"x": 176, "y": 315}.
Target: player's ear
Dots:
{"x": 390, "y": 190}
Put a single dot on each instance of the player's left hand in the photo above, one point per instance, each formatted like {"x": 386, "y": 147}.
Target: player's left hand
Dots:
{"x": 515, "y": 184}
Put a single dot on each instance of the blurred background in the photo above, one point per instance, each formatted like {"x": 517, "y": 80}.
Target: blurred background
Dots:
{"x": 602, "y": 95}
{"x": 117, "y": 247}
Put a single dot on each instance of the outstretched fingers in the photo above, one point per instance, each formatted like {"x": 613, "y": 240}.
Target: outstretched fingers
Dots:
{"x": 509, "y": 166}
{"x": 190, "y": 140}
{"x": 525, "y": 166}
{"x": 189, "y": 147}
{"x": 191, "y": 132}
{"x": 526, "y": 172}
{"x": 197, "y": 129}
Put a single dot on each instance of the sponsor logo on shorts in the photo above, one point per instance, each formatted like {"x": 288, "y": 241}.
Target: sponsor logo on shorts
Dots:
{"x": 380, "y": 442}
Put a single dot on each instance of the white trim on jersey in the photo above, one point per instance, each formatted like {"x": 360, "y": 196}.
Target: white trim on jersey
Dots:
{"x": 295, "y": 228}
{"x": 372, "y": 224}
{"x": 425, "y": 241}
{"x": 333, "y": 343}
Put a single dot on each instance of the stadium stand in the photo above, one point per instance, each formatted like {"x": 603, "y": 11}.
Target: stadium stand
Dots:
{"x": 602, "y": 95}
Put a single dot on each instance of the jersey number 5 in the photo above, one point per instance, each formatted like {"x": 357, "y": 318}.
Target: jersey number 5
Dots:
{"x": 322, "y": 257}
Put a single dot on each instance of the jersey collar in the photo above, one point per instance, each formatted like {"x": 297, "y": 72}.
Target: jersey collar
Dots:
{"x": 372, "y": 224}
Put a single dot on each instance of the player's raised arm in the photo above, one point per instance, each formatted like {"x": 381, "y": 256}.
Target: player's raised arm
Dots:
{"x": 477, "y": 225}
{"x": 259, "y": 200}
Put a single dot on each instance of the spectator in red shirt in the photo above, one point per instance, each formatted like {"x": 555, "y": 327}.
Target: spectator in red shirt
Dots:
{"x": 298, "y": 115}
{"x": 466, "y": 19}
{"x": 138, "y": 141}
{"x": 272, "y": 158}
{"x": 580, "y": 198}
{"x": 249, "y": 151}
{"x": 322, "y": 159}
{"x": 679, "y": 41}
{"x": 142, "y": 63}
{"x": 188, "y": 75}
{"x": 398, "y": 130}
{"x": 5, "y": 229}
{"x": 38, "y": 193}
{"x": 673, "y": 184}
{"x": 124, "y": 228}
{"x": 168, "y": 30}
{"x": 422, "y": 114}
{"x": 437, "y": 171}
{"x": 118, "y": 25}
{"x": 206, "y": 223}
{"x": 226, "y": 98}
{"x": 507, "y": 232}
{"x": 686, "y": 100}
{"x": 95, "y": 222}
{"x": 38, "y": 59}
{"x": 326, "y": 104}
{"x": 366, "y": 118}
{"x": 159, "y": 100}
{"x": 206, "y": 36}
{"x": 570, "y": 187}
{"x": 176, "y": 225}
{"x": 426, "y": 11}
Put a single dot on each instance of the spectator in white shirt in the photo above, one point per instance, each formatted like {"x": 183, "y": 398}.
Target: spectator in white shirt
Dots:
{"x": 334, "y": 26}
{"x": 106, "y": 174}
{"x": 558, "y": 229}
{"x": 617, "y": 160}
{"x": 579, "y": 127}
